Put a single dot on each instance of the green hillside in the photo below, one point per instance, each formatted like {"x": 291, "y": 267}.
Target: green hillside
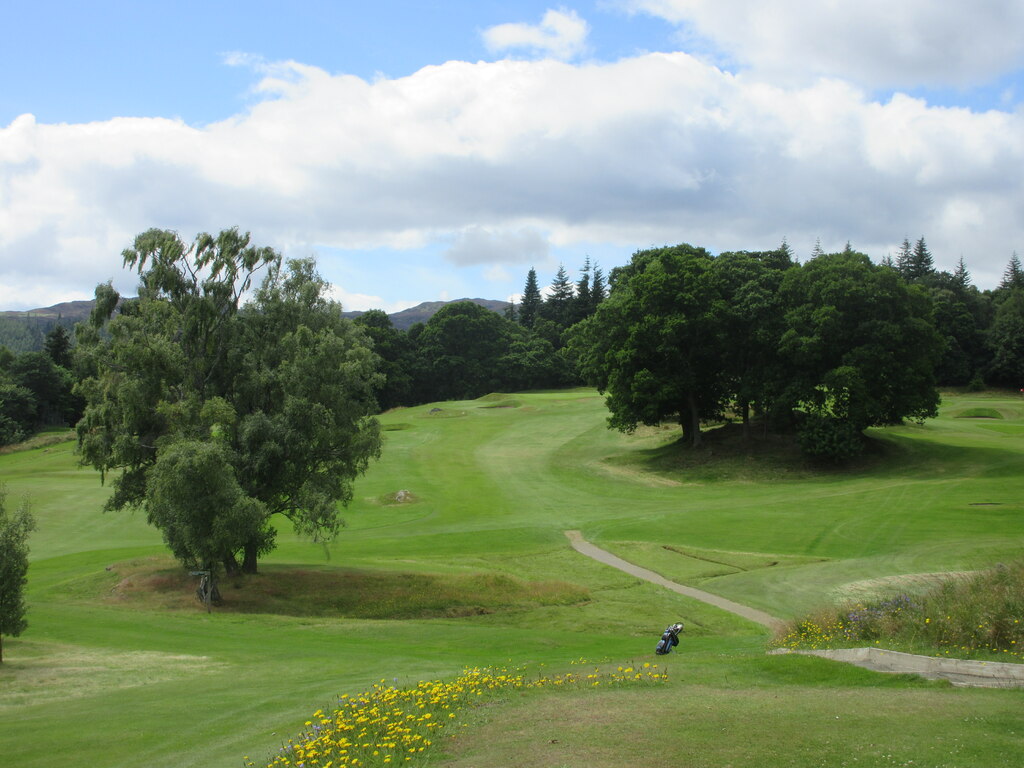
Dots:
{"x": 120, "y": 667}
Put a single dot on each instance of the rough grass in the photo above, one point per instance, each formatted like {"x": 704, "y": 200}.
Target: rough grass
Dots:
{"x": 43, "y": 439}
{"x": 158, "y": 583}
{"x": 974, "y": 615}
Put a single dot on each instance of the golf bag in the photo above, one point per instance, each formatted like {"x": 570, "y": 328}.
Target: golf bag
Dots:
{"x": 669, "y": 639}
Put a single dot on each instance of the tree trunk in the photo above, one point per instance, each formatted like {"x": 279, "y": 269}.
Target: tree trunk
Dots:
{"x": 745, "y": 407}
{"x": 231, "y": 565}
{"x": 249, "y": 559}
{"x": 694, "y": 420}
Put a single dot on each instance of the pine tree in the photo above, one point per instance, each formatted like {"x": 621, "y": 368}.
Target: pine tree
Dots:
{"x": 558, "y": 306}
{"x": 582, "y": 303}
{"x": 903, "y": 257}
{"x": 1013, "y": 277}
{"x": 58, "y": 346}
{"x": 817, "y": 251}
{"x": 531, "y": 301}
{"x": 961, "y": 277}
{"x": 598, "y": 289}
{"x": 921, "y": 260}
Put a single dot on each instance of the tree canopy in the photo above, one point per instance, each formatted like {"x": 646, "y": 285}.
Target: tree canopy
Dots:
{"x": 688, "y": 336}
{"x": 14, "y": 530}
{"x": 260, "y": 409}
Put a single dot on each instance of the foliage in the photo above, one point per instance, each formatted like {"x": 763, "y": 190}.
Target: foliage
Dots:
{"x": 558, "y": 306}
{"x": 398, "y": 363}
{"x": 14, "y": 531}
{"x": 686, "y": 336}
{"x": 275, "y": 396}
{"x": 859, "y": 345}
{"x": 829, "y": 438}
{"x": 1013, "y": 276}
{"x": 461, "y": 347}
{"x": 196, "y": 502}
{"x": 1006, "y": 339}
{"x": 57, "y": 346}
{"x": 968, "y": 616}
{"x": 653, "y": 347}
{"x": 531, "y": 303}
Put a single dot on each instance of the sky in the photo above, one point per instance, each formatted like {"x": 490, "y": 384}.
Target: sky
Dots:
{"x": 427, "y": 151}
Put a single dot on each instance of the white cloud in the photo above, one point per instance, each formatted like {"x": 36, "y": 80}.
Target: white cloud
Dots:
{"x": 480, "y": 245}
{"x": 648, "y": 150}
{"x": 877, "y": 43}
{"x": 561, "y": 34}
{"x": 361, "y": 302}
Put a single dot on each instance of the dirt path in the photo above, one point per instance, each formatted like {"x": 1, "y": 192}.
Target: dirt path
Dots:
{"x": 584, "y": 547}
{"x": 958, "y": 671}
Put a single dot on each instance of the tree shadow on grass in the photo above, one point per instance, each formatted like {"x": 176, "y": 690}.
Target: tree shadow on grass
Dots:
{"x": 727, "y": 455}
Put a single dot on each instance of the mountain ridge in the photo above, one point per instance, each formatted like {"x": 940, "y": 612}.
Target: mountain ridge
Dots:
{"x": 23, "y": 330}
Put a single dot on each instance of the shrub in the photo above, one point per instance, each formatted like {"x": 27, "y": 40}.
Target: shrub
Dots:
{"x": 969, "y": 616}
{"x": 825, "y": 437}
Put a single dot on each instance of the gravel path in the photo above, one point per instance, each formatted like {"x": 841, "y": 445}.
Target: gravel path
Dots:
{"x": 584, "y": 547}
{"x": 959, "y": 672}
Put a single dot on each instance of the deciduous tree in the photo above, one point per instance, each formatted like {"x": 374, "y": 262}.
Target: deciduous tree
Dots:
{"x": 14, "y": 531}
{"x": 859, "y": 347}
{"x": 653, "y": 347}
{"x": 275, "y": 395}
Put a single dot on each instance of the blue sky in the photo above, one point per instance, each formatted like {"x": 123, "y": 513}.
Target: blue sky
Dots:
{"x": 434, "y": 150}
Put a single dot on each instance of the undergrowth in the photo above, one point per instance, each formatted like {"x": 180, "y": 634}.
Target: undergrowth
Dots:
{"x": 980, "y": 615}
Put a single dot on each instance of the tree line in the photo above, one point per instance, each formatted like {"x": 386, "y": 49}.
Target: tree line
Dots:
{"x": 266, "y": 406}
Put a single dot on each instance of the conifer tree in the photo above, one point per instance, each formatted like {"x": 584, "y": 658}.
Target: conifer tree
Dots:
{"x": 1013, "y": 277}
{"x": 903, "y": 257}
{"x": 558, "y": 306}
{"x": 922, "y": 263}
{"x": 583, "y": 306}
{"x": 598, "y": 288}
{"x": 961, "y": 277}
{"x": 531, "y": 301}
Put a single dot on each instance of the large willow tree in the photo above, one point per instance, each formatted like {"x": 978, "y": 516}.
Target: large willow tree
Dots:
{"x": 215, "y": 416}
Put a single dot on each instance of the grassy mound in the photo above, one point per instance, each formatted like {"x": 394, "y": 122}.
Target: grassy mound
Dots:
{"x": 44, "y": 439}
{"x": 979, "y": 413}
{"x": 978, "y": 615}
{"x": 158, "y": 583}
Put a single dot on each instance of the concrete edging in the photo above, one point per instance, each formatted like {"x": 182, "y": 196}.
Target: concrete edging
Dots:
{"x": 960, "y": 672}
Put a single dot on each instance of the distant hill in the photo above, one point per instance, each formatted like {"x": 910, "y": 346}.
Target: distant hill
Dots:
{"x": 24, "y": 330}
{"x": 422, "y": 312}
{"x": 72, "y": 311}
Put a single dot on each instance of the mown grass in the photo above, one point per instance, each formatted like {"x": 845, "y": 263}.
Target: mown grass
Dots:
{"x": 806, "y": 715}
{"x": 494, "y": 490}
